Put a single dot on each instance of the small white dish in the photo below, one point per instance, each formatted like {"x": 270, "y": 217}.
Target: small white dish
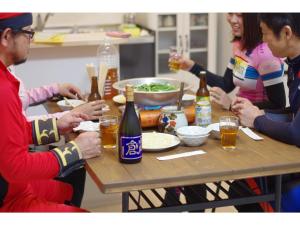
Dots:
{"x": 65, "y": 105}
{"x": 120, "y": 99}
{"x": 192, "y": 131}
{"x": 193, "y": 140}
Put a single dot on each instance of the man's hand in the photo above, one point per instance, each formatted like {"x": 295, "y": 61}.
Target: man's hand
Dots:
{"x": 89, "y": 144}
{"x": 69, "y": 90}
{"x": 246, "y": 111}
{"x": 72, "y": 119}
{"x": 220, "y": 97}
{"x": 92, "y": 109}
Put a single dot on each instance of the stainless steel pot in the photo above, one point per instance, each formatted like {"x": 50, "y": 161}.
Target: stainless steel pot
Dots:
{"x": 161, "y": 98}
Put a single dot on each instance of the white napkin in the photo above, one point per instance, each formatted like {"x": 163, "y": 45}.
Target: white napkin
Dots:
{"x": 180, "y": 155}
{"x": 87, "y": 126}
{"x": 251, "y": 134}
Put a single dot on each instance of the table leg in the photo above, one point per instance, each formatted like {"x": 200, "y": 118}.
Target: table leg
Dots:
{"x": 278, "y": 180}
{"x": 125, "y": 201}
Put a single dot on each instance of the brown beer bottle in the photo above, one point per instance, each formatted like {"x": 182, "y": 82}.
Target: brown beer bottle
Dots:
{"x": 202, "y": 93}
{"x": 203, "y": 107}
{"x": 94, "y": 95}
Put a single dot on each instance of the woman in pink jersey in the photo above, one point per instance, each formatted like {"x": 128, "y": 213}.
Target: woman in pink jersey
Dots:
{"x": 252, "y": 68}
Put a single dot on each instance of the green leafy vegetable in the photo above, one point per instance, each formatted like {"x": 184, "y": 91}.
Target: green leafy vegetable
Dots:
{"x": 155, "y": 87}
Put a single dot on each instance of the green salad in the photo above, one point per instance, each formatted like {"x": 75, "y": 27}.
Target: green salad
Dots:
{"x": 155, "y": 87}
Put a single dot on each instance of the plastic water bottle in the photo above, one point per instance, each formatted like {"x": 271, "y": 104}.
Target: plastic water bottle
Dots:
{"x": 108, "y": 55}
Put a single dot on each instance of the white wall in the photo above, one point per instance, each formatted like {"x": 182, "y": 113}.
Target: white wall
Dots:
{"x": 224, "y": 50}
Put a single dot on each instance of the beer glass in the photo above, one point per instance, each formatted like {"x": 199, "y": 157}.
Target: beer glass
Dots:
{"x": 108, "y": 131}
{"x": 174, "y": 56}
{"x": 229, "y": 126}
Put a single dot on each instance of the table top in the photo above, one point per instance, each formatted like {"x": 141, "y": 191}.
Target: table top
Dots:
{"x": 250, "y": 159}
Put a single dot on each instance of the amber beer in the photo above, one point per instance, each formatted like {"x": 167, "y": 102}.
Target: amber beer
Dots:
{"x": 228, "y": 128}
{"x": 109, "y": 131}
{"x": 174, "y": 65}
{"x": 175, "y": 55}
{"x": 111, "y": 78}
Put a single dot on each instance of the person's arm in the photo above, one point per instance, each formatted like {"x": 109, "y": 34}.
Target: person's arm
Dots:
{"x": 271, "y": 70}
{"x": 47, "y": 116}
{"x": 282, "y": 131}
{"x": 40, "y": 94}
{"x": 214, "y": 80}
{"x": 276, "y": 96}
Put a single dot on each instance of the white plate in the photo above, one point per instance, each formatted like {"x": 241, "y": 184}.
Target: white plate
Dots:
{"x": 119, "y": 99}
{"x": 87, "y": 126}
{"x": 154, "y": 142}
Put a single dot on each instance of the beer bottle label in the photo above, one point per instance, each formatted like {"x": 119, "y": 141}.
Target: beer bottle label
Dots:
{"x": 131, "y": 147}
{"x": 202, "y": 99}
{"x": 203, "y": 113}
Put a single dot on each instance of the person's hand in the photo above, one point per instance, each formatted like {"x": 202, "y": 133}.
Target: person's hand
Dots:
{"x": 246, "y": 111}
{"x": 92, "y": 109}
{"x": 89, "y": 144}
{"x": 220, "y": 97}
{"x": 69, "y": 90}
{"x": 184, "y": 63}
{"x": 69, "y": 121}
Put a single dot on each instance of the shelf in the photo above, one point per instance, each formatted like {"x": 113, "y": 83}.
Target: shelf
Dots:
{"x": 167, "y": 28}
{"x": 198, "y": 49}
{"x": 199, "y": 28}
{"x": 163, "y": 51}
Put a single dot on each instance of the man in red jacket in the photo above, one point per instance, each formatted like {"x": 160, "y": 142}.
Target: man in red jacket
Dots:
{"x": 27, "y": 179}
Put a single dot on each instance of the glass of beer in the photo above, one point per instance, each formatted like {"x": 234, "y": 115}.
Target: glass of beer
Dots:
{"x": 174, "y": 56}
{"x": 108, "y": 131}
{"x": 229, "y": 126}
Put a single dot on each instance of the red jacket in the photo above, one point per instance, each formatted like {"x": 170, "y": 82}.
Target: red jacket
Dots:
{"x": 18, "y": 167}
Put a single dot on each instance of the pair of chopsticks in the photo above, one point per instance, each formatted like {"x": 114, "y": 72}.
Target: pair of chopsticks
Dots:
{"x": 69, "y": 102}
{"x": 179, "y": 104}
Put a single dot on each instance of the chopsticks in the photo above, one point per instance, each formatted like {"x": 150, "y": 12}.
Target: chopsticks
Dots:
{"x": 68, "y": 102}
{"x": 180, "y": 96}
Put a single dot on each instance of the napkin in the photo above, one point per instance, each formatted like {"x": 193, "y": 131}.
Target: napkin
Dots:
{"x": 180, "y": 155}
{"x": 251, "y": 134}
{"x": 87, "y": 126}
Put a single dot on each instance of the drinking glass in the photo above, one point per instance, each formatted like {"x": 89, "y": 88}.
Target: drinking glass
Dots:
{"x": 229, "y": 126}
{"x": 174, "y": 56}
{"x": 109, "y": 131}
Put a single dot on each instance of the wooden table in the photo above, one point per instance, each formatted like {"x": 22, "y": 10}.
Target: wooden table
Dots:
{"x": 251, "y": 159}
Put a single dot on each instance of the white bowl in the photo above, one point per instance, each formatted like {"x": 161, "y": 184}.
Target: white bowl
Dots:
{"x": 64, "y": 105}
{"x": 193, "y": 140}
{"x": 192, "y": 131}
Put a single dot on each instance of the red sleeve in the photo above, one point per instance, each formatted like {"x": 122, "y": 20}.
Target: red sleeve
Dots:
{"x": 16, "y": 163}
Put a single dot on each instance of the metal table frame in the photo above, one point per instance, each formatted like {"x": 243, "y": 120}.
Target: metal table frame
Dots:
{"x": 206, "y": 204}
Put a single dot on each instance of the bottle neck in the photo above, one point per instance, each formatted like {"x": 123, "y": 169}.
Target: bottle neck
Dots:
{"x": 202, "y": 84}
{"x": 94, "y": 87}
